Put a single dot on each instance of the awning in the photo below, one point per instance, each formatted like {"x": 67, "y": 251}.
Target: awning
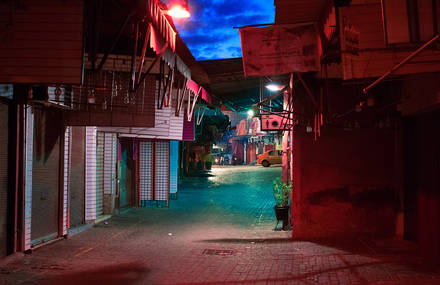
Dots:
{"x": 170, "y": 57}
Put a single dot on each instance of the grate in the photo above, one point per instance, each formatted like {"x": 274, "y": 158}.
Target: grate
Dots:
{"x": 221, "y": 252}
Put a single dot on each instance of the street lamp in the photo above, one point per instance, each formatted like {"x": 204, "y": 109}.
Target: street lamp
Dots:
{"x": 251, "y": 113}
{"x": 274, "y": 87}
{"x": 179, "y": 9}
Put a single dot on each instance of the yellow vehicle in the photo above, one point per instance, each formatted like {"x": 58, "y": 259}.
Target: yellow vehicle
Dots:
{"x": 270, "y": 157}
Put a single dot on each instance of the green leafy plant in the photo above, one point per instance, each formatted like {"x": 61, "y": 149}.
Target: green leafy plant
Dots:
{"x": 281, "y": 192}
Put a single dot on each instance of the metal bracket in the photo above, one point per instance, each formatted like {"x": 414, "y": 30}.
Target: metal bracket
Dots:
{"x": 144, "y": 50}
{"x": 181, "y": 92}
{"x": 118, "y": 35}
{"x": 199, "y": 118}
{"x": 143, "y": 75}
{"x": 191, "y": 106}
{"x": 308, "y": 91}
{"x": 164, "y": 86}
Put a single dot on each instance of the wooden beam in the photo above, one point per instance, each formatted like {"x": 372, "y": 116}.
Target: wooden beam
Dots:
{"x": 118, "y": 36}
{"x": 150, "y": 67}
{"x": 308, "y": 91}
{"x": 144, "y": 50}
{"x": 133, "y": 59}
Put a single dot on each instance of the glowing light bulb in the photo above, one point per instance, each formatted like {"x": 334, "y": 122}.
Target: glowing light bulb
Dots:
{"x": 273, "y": 87}
{"x": 178, "y": 11}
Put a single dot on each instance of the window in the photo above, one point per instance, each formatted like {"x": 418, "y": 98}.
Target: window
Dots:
{"x": 272, "y": 152}
{"x": 408, "y": 21}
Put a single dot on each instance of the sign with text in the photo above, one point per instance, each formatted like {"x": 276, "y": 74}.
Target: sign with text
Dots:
{"x": 280, "y": 49}
{"x": 274, "y": 123}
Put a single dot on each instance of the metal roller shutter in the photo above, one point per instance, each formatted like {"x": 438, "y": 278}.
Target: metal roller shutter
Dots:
{"x": 4, "y": 140}
{"x": 90, "y": 173}
{"x": 145, "y": 172}
{"x": 67, "y": 145}
{"x": 46, "y": 176}
{"x": 77, "y": 177}
{"x": 100, "y": 174}
{"x": 162, "y": 171}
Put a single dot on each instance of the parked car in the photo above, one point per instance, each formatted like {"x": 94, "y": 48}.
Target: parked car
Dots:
{"x": 270, "y": 157}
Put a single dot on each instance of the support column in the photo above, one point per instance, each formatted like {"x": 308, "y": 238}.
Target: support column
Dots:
{"x": 285, "y": 172}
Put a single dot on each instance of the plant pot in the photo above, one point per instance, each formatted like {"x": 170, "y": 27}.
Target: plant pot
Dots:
{"x": 282, "y": 214}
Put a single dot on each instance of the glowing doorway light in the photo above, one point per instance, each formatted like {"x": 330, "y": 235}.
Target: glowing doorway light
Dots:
{"x": 274, "y": 87}
{"x": 179, "y": 9}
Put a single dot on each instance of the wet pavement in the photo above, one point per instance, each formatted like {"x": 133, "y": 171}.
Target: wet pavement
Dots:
{"x": 219, "y": 231}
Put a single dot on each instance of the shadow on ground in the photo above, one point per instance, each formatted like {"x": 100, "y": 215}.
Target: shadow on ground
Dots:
{"x": 125, "y": 273}
{"x": 247, "y": 240}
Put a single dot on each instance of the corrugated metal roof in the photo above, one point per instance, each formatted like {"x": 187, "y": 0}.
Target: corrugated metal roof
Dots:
{"x": 227, "y": 83}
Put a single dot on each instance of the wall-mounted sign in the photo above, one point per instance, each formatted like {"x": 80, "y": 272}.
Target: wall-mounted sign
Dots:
{"x": 274, "y": 122}
{"x": 280, "y": 49}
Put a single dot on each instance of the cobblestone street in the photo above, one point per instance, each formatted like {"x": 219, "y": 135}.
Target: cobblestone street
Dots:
{"x": 220, "y": 230}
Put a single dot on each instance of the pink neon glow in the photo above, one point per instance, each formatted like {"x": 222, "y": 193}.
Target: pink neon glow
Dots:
{"x": 178, "y": 11}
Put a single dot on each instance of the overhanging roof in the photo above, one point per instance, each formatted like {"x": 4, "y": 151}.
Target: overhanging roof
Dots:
{"x": 228, "y": 83}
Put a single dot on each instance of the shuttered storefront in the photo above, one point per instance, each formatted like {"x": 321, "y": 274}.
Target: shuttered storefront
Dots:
{"x": 90, "y": 173}
{"x": 46, "y": 175}
{"x": 162, "y": 171}
{"x": 154, "y": 172}
{"x": 4, "y": 139}
{"x": 66, "y": 174}
{"x": 77, "y": 177}
{"x": 100, "y": 140}
{"x": 145, "y": 172}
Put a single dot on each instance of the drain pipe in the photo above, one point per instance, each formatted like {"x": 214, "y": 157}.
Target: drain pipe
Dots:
{"x": 403, "y": 62}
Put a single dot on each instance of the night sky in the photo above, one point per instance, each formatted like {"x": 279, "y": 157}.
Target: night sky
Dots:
{"x": 209, "y": 33}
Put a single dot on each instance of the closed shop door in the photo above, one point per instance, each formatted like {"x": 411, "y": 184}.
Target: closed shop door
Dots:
{"x": 146, "y": 172}
{"x": 45, "y": 176}
{"x": 162, "y": 171}
{"x": 100, "y": 174}
{"x": 4, "y": 139}
{"x": 77, "y": 185}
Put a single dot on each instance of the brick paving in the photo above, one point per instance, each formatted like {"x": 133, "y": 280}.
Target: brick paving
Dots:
{"x": 219, "y": 231}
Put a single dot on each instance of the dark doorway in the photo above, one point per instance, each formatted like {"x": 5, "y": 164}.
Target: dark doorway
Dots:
{"x": 127, "y": 180}
{"x": 422, "y": 182}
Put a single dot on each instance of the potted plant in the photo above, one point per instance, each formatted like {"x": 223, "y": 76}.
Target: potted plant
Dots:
{"x": 281, "y": 193}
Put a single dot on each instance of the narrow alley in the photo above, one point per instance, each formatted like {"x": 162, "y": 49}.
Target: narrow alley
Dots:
{"x": 220, "y": 142}
{"x": 219, "y": 231}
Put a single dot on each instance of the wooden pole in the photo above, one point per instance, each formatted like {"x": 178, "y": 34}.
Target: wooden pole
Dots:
{"x": 291, "y": 163}
{"x": 285, "y": 172}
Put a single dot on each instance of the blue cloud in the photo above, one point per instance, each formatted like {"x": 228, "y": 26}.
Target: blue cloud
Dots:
{"x": 209, "y": 32}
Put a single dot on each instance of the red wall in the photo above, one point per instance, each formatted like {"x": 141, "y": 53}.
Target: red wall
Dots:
{"x": 251, "y": 153}
{"x": 343, "y": 183}
{"x": 43, "y": 43}
{"x": 422, "y": 183}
